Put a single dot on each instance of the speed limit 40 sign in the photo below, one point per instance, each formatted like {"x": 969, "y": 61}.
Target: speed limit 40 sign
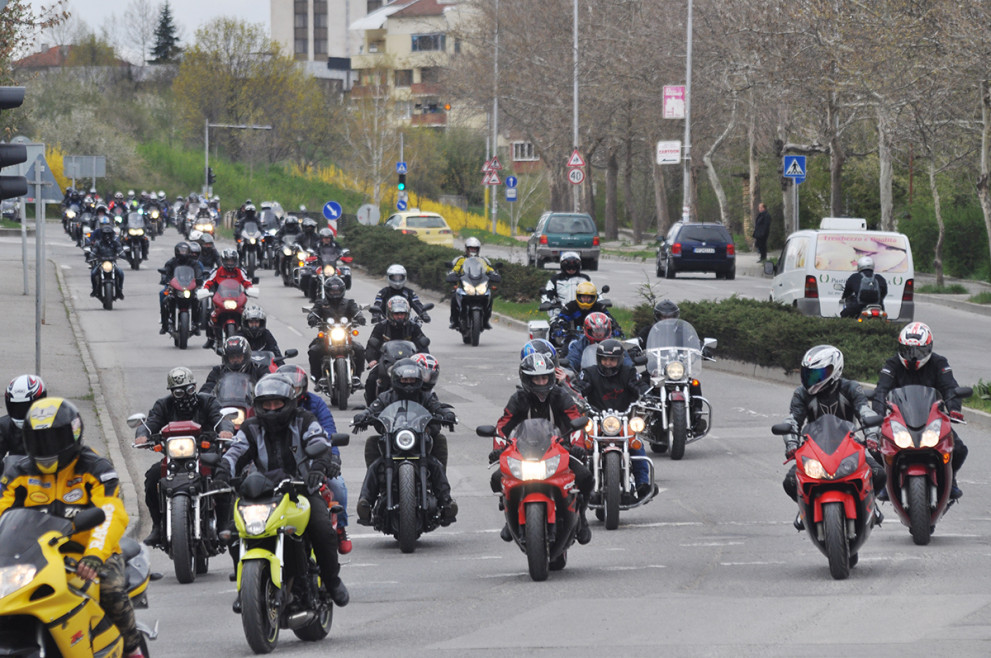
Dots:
{"x": 576, "y": 176}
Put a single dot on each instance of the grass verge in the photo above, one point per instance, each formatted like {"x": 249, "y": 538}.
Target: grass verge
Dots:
{"x": 486, "y": 237}
{"x": 932, "y": 289}
{"x": 981, "y": 298}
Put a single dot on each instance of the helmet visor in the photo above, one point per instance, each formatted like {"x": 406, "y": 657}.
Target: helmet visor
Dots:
{"x": 180, "y": 392}
{"x": 813, "y": 378}
{"x": 397, "y": 278}
{"x": 914, "y": 354}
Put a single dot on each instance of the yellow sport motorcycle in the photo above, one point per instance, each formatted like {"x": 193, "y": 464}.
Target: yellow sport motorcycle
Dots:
{"x": 45, "y": 608}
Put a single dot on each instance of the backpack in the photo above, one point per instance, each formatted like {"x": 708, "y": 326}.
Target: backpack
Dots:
{"x": 870, "y": 291}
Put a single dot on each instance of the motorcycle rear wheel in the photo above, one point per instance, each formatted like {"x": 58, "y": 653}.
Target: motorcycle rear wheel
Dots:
{"x": 407, "y": 508}
{"x": 343, "y": 383}
{"x": 611, "y": 475}
{"x": 837, "y": 547}
{"x": 259, "y": 606}
{"x": 182, "y": 549}
{"x": 536, "y": 541}
{"x": 679, "y": 430}
{"x": 918, "y": 510}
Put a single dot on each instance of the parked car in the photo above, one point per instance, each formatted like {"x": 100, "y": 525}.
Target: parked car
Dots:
{"x": 10, "y": 209}
{"x": 564, "y": 231}
{"x": 697, "y": 247}
{"x": 427, "y": 226}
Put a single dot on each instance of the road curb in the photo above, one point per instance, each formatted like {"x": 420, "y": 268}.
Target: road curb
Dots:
{"x": 128, "y": 491}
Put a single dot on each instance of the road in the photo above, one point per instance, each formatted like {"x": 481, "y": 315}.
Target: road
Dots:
{"x": 711, "y": 567}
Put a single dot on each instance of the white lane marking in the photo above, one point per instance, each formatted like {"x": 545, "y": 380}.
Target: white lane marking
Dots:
{"x": 634, "y": 568}
{"x": 294, "y": 330}
{"x": 712, "y": 543}
{"x": 748, "y": 564}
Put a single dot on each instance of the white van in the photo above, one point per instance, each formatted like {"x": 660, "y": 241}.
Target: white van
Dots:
{"x": 815, "y": 265}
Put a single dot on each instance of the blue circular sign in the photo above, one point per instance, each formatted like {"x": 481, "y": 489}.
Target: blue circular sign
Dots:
{"x": 511, "y": 181}
{"x": 401, "y": 204}
{"x": 332, "y": 210}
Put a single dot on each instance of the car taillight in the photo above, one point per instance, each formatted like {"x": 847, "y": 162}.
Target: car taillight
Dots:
{"x": 730, "y": 250}
{"x": 909, "y": 293}
{"x": 405, "y": 232}
{"x": 543, "y": 239}
{"x": 676, "y": 248}
{"x": 595, "y": 241}
{"x": 444, "y": 230}
{"x": 811, "y": 288}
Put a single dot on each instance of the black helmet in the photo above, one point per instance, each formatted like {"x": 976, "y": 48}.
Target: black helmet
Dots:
{"x": 536, "y": 365}
{"x": 237, "y": 354}
{"x": 334, "y": 289}
{"x": 274, "y": 388}
{"x": 407, "y": 377}
{"x": 21, "y": 393}
{"x": 182, "y": 251}
{"x": 300, "y": 380}
{"x": 394, "y": 351}
{"x": 253, "y": 321}
{"x": 195, "y": 250}
{"x": 53, "y": 434}
{"x": 666, "y": 310}
{"x": 608, "y": 349}
{"x": 249, "y": 211}
{"x": 229, "y": 258}
{"x": 292, "y": 221}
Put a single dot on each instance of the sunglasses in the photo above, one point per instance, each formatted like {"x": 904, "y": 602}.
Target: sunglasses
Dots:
{"x": 180, "y": 392}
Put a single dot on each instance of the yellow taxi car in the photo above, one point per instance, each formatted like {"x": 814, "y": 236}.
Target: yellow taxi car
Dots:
{"x": 427, "y": 226}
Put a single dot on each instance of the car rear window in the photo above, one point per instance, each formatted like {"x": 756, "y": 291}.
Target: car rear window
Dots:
{"x": 840, "y": 252}
{"x": 425, "y": 221}
{"x": 570, "y": 224}
{"x": 704, "y": 234}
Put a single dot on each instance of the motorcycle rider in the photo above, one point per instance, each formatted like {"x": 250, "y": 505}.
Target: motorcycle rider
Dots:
{"x": 407, "y": 384}
{"x": 540, "y": 397}
{"x": 59, "y": 468}
{"x": 334, "y": 305}
{"x": 597, "y": 327}
{"x": 21, "y": 393}
{"x": 396, "y": 274}
{"x": 308, "y": 239}
{"x": 253, "y": 327}
{"x": 209, "y": 258}
{"x": 274, "y": 441}
{"x": 863, "y": 288}
{"x": 183, "y": 255}
{"x": 561, "y": 375}
{"x": 289, "y": 227}
{"x": 247, "y": 214}
{"x": 236, "y": 358}
{"x": 570, "y": 274}
{"x": 182, "y": 403}
{"x": 431, "y": 373}
{"x": 228, "y": 270}
{"x": 586, "y": 301}
{"x": 397, "y": 326}
{"x": 473, "y": 249}
{"x": 611, "y": 384}
{"x": 106, "y": 245}
{"x": 917, "y": 364}
{"x": 825, "y": 391}
{"x": 118, "y": 202}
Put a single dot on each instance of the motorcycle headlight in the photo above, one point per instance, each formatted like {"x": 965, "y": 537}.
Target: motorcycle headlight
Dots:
{"x": 154, "y": 214}
{"x": 813, "y": 468}
{"x": 405, "y": 440}
{"x": 930, "y": 435}
{"x": 135, "y": 231}
{"x": 301, "y": 255}
{"x": 611, "y": 425}
{"x": 185, "y": 293}
{"x": 533, "y": 469}
{"x": 468, "y": 288}
{"x": 15, "y": 577}
{"x": 238, "y": 419}
{"x": 107, "y": 266}
{"x": 256, "y": 516}
{"x": 637, "y": 424}
{"x": 252, "y": 240}
{"x": 481, "y": 288}
{"x": 230, "y": 304}
{"x": 287, "y": 251}
{"x": 328, "y": 270}
{"x": 847, "y": 466}
{"x": 674, "y": 370}
{"x": 181, "y": 447}
{"x": 338, "y": 334}
{"x": 900, "y": 435}
{"x": 69, "y": 214}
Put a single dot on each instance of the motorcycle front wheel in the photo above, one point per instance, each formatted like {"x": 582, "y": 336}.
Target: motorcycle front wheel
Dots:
{"x": 611, "y": 475}
{"x": 407, "y": 507}
{"x": 259, "y": 606}
{"x": 109, "y": 292}
{"x": 476, "y": 325}
{"x": 183, "y": 332}
{"x": 343, "y": 383}
{"x": 837, "y": 547}
{"x": 536, "y": 541}
{"x": 182, "y": 536}
{"x": 918, "y": 509}
{"x": 679, "y": 430}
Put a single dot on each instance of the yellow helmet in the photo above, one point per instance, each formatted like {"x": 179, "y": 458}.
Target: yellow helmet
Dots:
{"x": 586, "y": 295}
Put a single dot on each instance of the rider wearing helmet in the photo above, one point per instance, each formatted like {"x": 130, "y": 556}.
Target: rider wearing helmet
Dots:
{"x": 334, "y": 305}
{"x": 228, "y": 270}
{"x": 559, "y": 287}
{"x": 21, "y": 393}
{"x": 105, "y": 245}
{"x": 586, "y": 301}
{"x": 916, "y": 363}
{"x": 183, "y": 255}
{"x": 316, "y": 406}
{"x": 396, "y": 275}
{"x": 308, "y": 239}
{"x": 275, "y": 441}
{"x": 396, "y": 327}
{"x": 473, "y": 249}
{"x": 246, "y": 214}
{"x": 863, "y": 288}
{"x": 541, "y": 397}
{"x": 663, "y": 310}
{"x": 253, "y": 328}
{"x": 825, "y": 391}
{"x": 236, "y": 358}
{"x": 182, "y": 403}
{"x": 209, "y": 258}
{"x": 596, "y": 327}
{"x": 407, "y": 384}
{"x": 63, "y": 477}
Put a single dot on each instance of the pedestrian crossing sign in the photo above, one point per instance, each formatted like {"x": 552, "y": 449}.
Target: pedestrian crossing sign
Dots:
{"x": 794, "y": 168}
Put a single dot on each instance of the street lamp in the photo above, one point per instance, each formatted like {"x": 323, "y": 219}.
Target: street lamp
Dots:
{"x": 686, "y": 205}
{"x": 206, "y": 145}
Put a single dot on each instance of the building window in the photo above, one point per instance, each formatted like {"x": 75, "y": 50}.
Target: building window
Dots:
{"x": 319, "y": 47}
{"x": 301, "y": 46}
{"x": 300, "y": 21}
{"x": 372, "y": 6}
{"x": 523, "y": 152}
{"x": 457, "y": 46}
{"x": 404, "y": 78}
{"x": 427, "y": 42}
{"x": 430, "y": 75}
{"x": 320, "y": 21}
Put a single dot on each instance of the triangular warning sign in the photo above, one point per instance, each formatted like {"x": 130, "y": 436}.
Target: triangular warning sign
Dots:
{"x": 494, "y": 165}
{"x": 487, "y": 178}
{"x": 494, "y": 179}
{"x": 795, "y": 169}
{"x": 576, "y": 160}
{"x": 487, "y": 167}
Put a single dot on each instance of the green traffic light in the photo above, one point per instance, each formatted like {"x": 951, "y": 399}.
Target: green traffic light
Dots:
{"x": 402, "y": 182}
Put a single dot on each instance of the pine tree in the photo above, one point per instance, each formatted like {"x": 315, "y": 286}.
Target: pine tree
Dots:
{"x": 166, "y": 48}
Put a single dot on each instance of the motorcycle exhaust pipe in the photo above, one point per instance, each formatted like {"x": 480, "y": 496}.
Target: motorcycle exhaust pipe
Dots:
{"x": 300, "y": 619}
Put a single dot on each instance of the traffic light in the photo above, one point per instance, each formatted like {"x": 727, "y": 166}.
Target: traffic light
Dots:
{"x": 12, "y": 154}
{"x": 402, "y": 183}
{"x": 210, "y": 177}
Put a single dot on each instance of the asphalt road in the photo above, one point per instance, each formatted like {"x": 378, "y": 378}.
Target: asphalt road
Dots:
{"x": 711, "y": 567}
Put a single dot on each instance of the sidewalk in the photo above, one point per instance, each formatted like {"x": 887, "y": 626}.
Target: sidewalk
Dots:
{"x": 66, "y": 365}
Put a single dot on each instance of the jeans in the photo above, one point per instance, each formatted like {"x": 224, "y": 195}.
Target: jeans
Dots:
{"x": 340, "y": 491}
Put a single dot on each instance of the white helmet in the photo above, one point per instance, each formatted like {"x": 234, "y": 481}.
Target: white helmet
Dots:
{"x": 397, "y": 276}
{"x": 915, "y": 345}
{"x": 865, "y": 263}
{"x": 822, "y": 367}
{"x": 473, "y": 243}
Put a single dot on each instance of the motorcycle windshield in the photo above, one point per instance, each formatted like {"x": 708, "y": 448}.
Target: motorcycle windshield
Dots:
{"x": 588, "y": 357}
{"x": 473, "y": 270}
{"x": 329, "y": 255}
{"x": 915, "y": 403}
{"x": 229, "y": 289}
{"x": 670, "y": 341}
{"x": 234, "y": 390}
{"x": 135, "y": 220}
{"x": 20, "y": 529}
{"x": 289, "y": 239}
{"x": 250, "y": 230}
{"x": 185, "y": 276}
{"x": 828, "y": 432}
{"x": 533, "y": 437}
{"x": 269, "y": 220}
{"x": 405, "y": 414}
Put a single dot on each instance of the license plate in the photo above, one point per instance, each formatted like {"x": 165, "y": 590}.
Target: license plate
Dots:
{"x": 705, "y": 250}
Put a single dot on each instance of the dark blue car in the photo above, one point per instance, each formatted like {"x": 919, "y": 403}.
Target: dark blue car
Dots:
{"x": 697, "y": 247}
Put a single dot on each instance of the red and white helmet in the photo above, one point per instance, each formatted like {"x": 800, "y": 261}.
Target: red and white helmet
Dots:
{"x": 597, "y": 327}
{"x": 915, "y": 345}
{"x": 430, "y": 366}
{"x": 21, "y": 393}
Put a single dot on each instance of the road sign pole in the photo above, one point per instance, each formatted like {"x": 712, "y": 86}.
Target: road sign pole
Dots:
{"x": 794, "y": 198}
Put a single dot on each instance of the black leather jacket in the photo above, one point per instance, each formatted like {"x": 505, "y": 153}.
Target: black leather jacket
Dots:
{"x": 936, "y": 373}
{"x": 847, "y": 401}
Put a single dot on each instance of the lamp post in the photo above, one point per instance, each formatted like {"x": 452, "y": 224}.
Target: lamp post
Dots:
{"x": 206, "y": 144}
{"x": 686, "y": 205}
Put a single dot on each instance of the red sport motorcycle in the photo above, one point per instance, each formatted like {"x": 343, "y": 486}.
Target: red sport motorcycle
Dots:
{"x": 917, "y": 445}
{"x": 539, "y": 496}
{"x": 835, "y": 493}
{"x": 229, "y": 300}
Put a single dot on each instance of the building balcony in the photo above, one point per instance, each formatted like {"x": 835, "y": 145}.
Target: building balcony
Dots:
{"x": 364, "y": 91}
{"x": 426, "y": 89}
{"x": 432, "y": 119}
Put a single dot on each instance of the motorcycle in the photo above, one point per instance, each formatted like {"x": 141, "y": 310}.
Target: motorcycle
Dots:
{"x": 406, "y": 506}
{"x": 277, "y": 575}
{"x": 69, "y": 216}
{"x": 835, "y": 491}
{"x": 235, "y": 393}
{"x": 185, "y": 495}
{"x": 337, "y": 335}
{"x": 201, "y": 224}
{"x": 46, "y": 609}
{"x": 300, "y": 261}
{"x": 674, "y": 363}
{"x": 228, "y": 301}
{"x": 135, "y": 241}
{"x": 329, "y": 262}
{"x": 558, "y": 330}
{"x": 180, "y": 296}
{"x": 249, "y": 247}
{"x": 539, "y": 496}
{"x": 80, "y": 226}
{"x": 156, "y": 220}
{"x": 609, "y": 435}
{"x": 872, "y": 312}
{"x": 473, "y": 297}
{"x": 269, "y": 361}
{"x": 106, "y": 289}
{"x": 917, "y": 445}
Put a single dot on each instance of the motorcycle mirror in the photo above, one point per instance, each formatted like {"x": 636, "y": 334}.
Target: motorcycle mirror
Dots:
{"x": 290, "y": 353}
{"x": 314, "y": 450}
{"x": 203, "y": 293}
{"x": 709, "y": 343}
{"x": 769, "y": 268}
{"x": 429, "y": 306}
{"x": 639, "y": 359}
{"x": 963, "y": 392}
{"x": 781, "y": 429}
{"x": 88, "y": 519}
{"x": 211, "y": 458}
{"x": 605, "y": 289}
{"x": 486, "y": 430}
{"x": 305, "y": 309}
{"x": 340, "y": 439}
{"x": 136, "y": 420}
{"x": 579, "y": 422}
{"x": 230, "y": 413}
{"x": 251, "y": 292}
{"x": 873, "y": 421}
{"x": 546, "y": 306}
{"x": 452, "y": 277}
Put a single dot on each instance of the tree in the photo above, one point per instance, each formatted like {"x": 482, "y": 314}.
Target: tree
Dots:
{"x": 139, "y": 17}
{"x": 166, "y": 49}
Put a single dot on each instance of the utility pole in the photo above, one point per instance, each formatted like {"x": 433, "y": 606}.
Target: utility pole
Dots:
{"x": 206, "y": 145}
{"x": 686, "y": 194}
